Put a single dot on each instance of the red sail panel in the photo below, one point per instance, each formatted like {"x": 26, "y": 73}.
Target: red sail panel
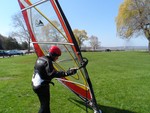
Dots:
{"x": 78, "y": 90}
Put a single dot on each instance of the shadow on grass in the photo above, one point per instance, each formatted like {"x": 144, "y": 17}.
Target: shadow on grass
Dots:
{"x": 105, "y": 109}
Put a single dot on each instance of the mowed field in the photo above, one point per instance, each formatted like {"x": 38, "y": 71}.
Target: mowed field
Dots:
{"x": 121, "y": 82}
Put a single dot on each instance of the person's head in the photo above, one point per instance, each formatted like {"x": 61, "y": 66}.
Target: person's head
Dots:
{"x": 54, "y": 52}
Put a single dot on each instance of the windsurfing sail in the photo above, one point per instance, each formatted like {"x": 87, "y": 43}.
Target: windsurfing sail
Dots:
{"x": 47, "y": 26}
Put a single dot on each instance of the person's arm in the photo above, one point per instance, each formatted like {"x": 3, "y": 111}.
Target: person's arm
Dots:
{"x": 52, "y": 73}
{"x": 59, "y": 74}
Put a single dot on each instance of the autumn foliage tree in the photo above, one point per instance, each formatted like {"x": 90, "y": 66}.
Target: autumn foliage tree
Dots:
{"x": 50, "y": 33}
{"x": 134, "y": 19}
{"x": 80, "y": 35}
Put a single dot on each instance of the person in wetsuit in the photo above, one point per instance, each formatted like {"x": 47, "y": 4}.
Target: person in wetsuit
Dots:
{"x": 44, "y": 72}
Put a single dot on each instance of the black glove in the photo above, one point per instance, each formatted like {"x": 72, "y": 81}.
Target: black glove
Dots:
{"x": 71, "y": 72}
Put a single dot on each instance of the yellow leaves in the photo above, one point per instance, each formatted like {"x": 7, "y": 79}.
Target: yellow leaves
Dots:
{"x": 80, "y": 36}
{"x": 129, "y": 32}
{"x": 130, "y": 16}
{"x": 125, "y": 12}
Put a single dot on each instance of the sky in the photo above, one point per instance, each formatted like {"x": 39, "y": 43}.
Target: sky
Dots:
{"x": 96, "y": 17}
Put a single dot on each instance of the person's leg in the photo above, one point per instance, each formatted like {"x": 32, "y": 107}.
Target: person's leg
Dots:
{"x": 44, "y": 97}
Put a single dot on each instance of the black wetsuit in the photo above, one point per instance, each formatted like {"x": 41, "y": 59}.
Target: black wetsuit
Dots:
{"x": 44, "y": 72}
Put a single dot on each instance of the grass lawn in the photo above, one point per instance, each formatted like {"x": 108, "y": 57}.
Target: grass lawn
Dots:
{"x": 120, "y": 81}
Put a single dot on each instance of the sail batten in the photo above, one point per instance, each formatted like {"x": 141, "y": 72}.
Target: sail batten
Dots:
{"x": 35, "y": 4}
{"x": 60, "y": 43}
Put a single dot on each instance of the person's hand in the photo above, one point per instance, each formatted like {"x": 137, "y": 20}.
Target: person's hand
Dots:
{"x": 71, "y": 71}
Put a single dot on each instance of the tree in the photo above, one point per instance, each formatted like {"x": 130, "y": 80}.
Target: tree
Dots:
{"x": 21, "y": 30}
{"x": 134, "y": 19}
{"x": 24, "y": 45}
{"x": 80, "y": 35}
{"x": 11, "y": 43}
{"x": 94, "y": 42}
{"x": 1, "y": 42}
{"x": 50, "y": 33}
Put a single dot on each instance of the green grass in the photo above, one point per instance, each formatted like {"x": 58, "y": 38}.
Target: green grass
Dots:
{"x": 120, "y": 81}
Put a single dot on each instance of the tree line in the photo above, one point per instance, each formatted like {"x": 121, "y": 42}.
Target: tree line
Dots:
{"x": 10, "y": 43}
